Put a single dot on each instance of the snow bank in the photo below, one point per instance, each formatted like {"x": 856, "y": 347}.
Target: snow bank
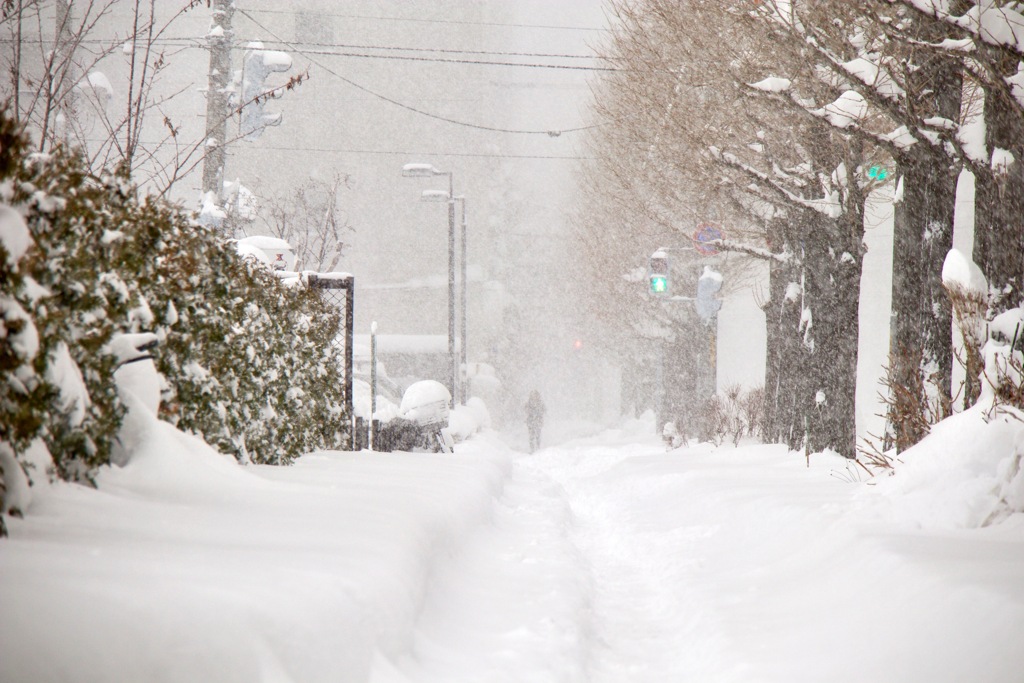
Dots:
{"x": 184, "y": 566}
{"x": 960, "y": 475}
{"x": 602, "y": 560}
{"x": 465, "y": 421}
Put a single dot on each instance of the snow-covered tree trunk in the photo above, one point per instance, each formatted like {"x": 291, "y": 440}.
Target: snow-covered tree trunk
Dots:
{"x": 833, "y": 255}
{"x": 784, "y": 349}
{"x": 999, "y": 198}
{"x": 920, "y": 338}
{"x": 929, "y": 202}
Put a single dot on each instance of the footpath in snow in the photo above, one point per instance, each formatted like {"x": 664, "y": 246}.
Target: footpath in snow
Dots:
{"x": 603, "y": 559}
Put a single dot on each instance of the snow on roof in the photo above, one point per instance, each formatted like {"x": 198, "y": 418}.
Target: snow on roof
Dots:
{"x": 334, "y": 276}
{"x": 265, "y": 242}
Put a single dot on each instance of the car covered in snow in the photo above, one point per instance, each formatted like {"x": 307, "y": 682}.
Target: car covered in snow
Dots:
{"x": 427, "y": 403}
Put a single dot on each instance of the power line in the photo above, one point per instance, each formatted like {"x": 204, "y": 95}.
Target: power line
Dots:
{"x": 412, "y": 58}
{"x": 551, "y": 133}
{"x": 387, "y": 152}
{"x": 436, "y": 21}
{"x": 189, "y": 42}
{"x": 393, "y": 152}
{"x": 402, "y": 48}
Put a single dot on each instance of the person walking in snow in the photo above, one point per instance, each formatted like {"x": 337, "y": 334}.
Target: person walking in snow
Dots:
{"x": 534, "y": 418}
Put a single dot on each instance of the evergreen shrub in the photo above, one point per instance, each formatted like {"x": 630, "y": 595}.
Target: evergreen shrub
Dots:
{"x": 249, "y": 363}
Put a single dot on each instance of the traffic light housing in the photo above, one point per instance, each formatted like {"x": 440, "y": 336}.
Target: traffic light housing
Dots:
{"x": 257, "y": 65}
{"x": 707, "y": 286}
{"x": 659, "y": 273}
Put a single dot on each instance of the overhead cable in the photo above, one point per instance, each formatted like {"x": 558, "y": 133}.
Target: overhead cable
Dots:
{"x": 438, "y": 21}
{"x": 292, "y": 46}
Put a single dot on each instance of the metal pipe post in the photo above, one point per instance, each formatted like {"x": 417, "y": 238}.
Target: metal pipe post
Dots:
{"x": 464, "y": 386}
{"x": 451, "y": 288}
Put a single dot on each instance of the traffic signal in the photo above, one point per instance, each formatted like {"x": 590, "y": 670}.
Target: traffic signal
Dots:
{"x": 877, "y": 173}
{"x": 256, "y": 66}
{"x": 707, "y": 286}
{"x": 659, "y": 271}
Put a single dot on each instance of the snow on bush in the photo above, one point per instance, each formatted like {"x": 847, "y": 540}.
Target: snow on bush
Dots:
{"x": 730, "y": 415}
{"x": 249, "y": 364}
{"x": 967, "y": 472}
{"x": 26, "y": 398}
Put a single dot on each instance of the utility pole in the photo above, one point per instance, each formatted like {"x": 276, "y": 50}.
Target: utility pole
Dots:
{"x": 219, "y": 42}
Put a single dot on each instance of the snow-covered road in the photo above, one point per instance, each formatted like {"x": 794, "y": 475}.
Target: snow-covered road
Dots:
{"x": 610, "y": 560}
{"x": 596, "y": 560}
{"x": 648, "y": 620}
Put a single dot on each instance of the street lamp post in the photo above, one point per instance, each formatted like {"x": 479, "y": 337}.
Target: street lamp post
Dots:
{"x": 427, "y": 171}
{"x": 464, "y": 386}
{"x": 442, "y": 196}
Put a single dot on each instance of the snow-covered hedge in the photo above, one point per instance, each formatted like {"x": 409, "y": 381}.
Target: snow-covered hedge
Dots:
{"x": 249, "y": 363}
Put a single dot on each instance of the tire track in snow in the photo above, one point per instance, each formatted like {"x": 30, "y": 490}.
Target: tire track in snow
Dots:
{"x": 651, "y": 621}
{"x": 514, "y": 603}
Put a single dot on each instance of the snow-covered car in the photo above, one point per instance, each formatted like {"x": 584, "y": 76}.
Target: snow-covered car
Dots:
{"x": 428, "y": 404}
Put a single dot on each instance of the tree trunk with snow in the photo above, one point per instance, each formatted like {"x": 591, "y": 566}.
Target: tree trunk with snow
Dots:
{"x": 832, "y": 293}
{"x": 999, "y": 197}
{"x": 785, "y": 375}
{"x": 921, "y": 352}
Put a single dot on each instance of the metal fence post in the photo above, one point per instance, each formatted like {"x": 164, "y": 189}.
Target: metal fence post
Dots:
{"x": 331, "y": 287}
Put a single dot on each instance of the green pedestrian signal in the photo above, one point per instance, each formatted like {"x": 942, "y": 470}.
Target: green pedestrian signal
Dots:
{"x": 659, "y": 284}
{"x": 658, "y": 270}
{"x": 877, "y": 173}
